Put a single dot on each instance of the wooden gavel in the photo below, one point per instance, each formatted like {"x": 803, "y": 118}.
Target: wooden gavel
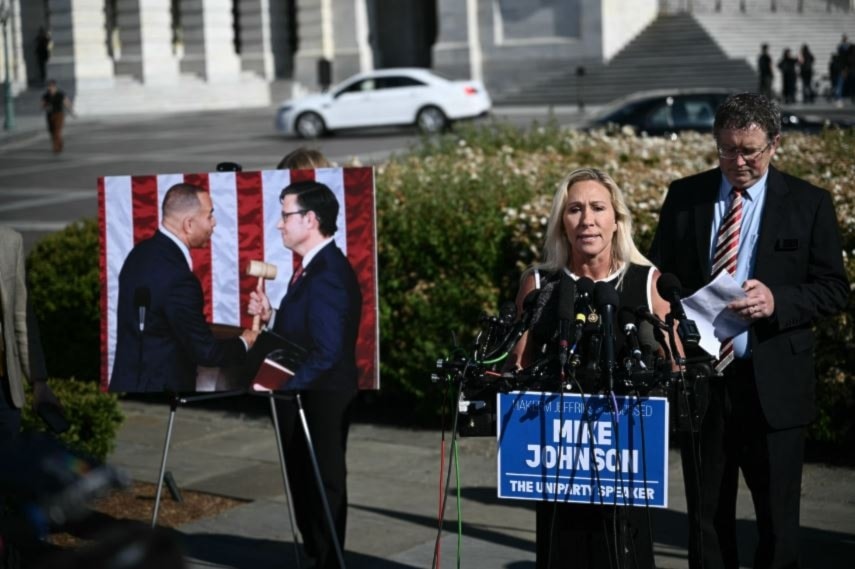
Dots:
{"x": 263, "y": 271}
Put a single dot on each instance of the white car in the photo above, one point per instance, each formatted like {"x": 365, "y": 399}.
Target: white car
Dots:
{"x": 385, "y": 97}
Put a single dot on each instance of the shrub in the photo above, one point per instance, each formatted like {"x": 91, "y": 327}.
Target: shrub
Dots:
{"x": 62, "y": 272}
{"x": 94, "y": 417}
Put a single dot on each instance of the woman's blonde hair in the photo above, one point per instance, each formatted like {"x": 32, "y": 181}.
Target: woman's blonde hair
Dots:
{"x": 557, "y": 252}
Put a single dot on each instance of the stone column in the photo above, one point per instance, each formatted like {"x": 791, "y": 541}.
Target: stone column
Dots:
{"x": 256, "y": 37}
{"x": 145, "y": 28}
{"x": 313, "y": 18}
{"x": 451, "y": 51}
{"x": 79, "y": 59}
{"x": 208, "y": 40}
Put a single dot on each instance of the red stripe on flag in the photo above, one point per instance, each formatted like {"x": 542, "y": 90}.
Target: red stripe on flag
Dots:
{"x": 250, "y": 212}
{"x": 102, "y": 280}
{"x": 202, "y": 255}
{"x": 144, "y": 204}
{"x": 359, "y": 212}
{"x": 303, "y": 175}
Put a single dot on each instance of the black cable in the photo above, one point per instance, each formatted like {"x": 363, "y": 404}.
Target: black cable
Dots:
{"x": 454, "y": 428}
{"x": 553, "y": 514}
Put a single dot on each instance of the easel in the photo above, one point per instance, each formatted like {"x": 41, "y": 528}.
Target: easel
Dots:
{"x": 178, "y": 400}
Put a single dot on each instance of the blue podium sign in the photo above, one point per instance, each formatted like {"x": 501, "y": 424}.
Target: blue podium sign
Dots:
{"x": 566, "y": 447}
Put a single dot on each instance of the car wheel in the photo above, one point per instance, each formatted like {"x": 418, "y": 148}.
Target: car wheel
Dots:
{"x": 431, "y": 120}
{"x": 310, "y": 125}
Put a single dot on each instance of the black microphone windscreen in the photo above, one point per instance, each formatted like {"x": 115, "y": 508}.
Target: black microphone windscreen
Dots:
{"x": 605, "y": 294}
{"x": 566, "y": 298}
{"x": 584, "y": 286}
{"x": 507, "y": 313}
{"x": 667, "y": 285}
{"x": 142, "y": 297}
{"x": 626, "y": 316}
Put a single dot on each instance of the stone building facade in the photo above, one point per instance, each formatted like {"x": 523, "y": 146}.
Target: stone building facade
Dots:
{"x": 120, "y": 55}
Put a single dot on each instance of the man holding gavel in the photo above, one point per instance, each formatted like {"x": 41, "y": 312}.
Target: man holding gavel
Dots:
{"x": 321, "y": 312}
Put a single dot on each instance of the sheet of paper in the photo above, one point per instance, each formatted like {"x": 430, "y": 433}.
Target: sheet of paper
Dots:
{"x": 708, "y": 308}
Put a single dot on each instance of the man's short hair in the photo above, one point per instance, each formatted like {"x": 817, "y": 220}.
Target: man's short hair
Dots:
{"x": 181, "y": 198}
{"x": 740, "y": 111}
{"x": 316, "y": 197}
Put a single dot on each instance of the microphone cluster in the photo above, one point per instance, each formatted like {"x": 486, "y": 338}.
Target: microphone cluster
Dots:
{"x": 600, "y": 346}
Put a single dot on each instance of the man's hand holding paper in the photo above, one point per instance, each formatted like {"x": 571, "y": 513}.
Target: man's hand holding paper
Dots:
{"x": 709, "y": 308}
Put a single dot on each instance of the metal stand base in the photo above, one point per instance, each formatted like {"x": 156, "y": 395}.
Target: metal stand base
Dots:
{"x": 173, "y": 407}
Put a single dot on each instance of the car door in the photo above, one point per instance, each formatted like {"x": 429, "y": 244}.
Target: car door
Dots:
{"x": 403, "y": 96}
{"x": 352, "y": 105}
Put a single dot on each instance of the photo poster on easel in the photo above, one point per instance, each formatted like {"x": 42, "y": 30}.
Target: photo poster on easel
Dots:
{"x": 247, "y": 209}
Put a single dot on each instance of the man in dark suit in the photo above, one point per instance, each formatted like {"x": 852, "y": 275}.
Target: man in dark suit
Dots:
{"x": 321, "y": 312}
{"x": 789, "y": 262}
{"x": 159, "y": 348}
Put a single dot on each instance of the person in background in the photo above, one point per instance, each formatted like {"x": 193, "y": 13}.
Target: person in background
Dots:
{"x": 806, "y": 60}
{"x": 777, "y": 236}
{"x": 303, "y": 158}
{"x": 55, "y": 104}
{"x": 42, "y": 49}
{"x": 787, "y": 67}
{"x": 21, "y": 359}
{"x": 764, "y": 69}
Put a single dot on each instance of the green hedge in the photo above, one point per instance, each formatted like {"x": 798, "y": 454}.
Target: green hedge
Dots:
{"x": 94, "y": 417}
{"x": 62, "y": 275}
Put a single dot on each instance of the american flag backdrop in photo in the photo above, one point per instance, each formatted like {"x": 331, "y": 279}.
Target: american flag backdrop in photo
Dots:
{"x": 246, "y": 207}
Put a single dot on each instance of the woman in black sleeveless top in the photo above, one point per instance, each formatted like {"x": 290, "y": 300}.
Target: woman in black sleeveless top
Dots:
{"x": 589, "y": 234}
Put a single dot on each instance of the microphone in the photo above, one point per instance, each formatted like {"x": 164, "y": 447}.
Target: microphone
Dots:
{"x": 643, "y": 313}
{"x": 668, "y": 286}
{"x": 507, "y": 313}
{"x": 584, "y": 291}
{"x": 607, "y": 299}
{"x": 142, "y": 302}
{"x": 630, "y": 330}
{"x": 512, "y": 337}
{"x": 566, "y": 300}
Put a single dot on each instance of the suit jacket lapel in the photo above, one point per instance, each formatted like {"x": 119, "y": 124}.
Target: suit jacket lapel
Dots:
{"x": 773, "y": 214}
{"x": 704, "y": 217}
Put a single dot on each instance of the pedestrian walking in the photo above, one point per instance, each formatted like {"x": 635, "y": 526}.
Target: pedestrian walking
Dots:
{"x": 56, "y": 103}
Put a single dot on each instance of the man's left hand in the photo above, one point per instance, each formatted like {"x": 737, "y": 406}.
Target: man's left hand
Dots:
{"x": 759, "y": 302}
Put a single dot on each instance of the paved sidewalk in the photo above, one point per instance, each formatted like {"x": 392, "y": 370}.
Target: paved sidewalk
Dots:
{"x": 393, "y": 493}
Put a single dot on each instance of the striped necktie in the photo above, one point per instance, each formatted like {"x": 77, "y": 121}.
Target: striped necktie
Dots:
{"x": 725, "y": 258}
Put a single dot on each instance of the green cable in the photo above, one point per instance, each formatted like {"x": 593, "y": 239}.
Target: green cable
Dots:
{"x": 495, "y": 360}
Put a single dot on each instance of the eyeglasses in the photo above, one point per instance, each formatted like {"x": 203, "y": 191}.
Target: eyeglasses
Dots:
{"x": 286, "y": 214}
{"x": 747, "y": 155}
